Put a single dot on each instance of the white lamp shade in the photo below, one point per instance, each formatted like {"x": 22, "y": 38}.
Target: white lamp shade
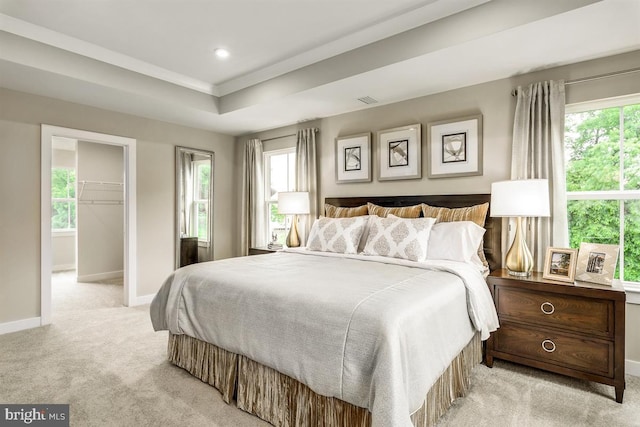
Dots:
{"x": 520, "y": 198}
{"x": 293, "y": 202}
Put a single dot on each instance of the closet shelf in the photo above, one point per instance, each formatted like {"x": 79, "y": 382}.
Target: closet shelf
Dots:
{"x": 101, "y": 192}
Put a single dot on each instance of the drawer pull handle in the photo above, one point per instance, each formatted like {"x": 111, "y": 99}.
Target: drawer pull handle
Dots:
{"x": 548, "y": 310}
{"x": 550, "y": 349}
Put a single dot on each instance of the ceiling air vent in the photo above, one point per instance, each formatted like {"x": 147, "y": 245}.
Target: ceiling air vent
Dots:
{"x": 368, "y": 100}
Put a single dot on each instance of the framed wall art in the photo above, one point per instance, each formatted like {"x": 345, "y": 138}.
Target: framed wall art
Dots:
{"x": 353, "y": 158}
{"x": 597, "y": 263}
{"x": 400, "y": 153}
{"x": 454, "y": 147}
{"x": 560, "y": 264}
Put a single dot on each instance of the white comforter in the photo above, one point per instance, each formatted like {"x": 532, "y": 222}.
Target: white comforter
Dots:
{"x": 372, "y": 331}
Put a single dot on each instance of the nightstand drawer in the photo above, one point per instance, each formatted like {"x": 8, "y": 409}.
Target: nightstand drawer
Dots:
{"x": 592, "y": 356}
{"x": 585, "y": 315}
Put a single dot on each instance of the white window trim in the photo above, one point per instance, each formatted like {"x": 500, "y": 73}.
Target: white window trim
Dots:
{"x": 631, "y": 288}
{"x": 63, "y": 233}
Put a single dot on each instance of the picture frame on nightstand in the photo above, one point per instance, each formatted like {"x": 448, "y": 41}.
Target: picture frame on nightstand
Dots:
{"x": 560, "y": 264}
{"x": 597, "y": 263}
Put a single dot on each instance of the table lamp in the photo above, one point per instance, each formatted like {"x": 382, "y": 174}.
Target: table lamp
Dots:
{"x": 293, "y": 203}
{"x": 520, "y": 199}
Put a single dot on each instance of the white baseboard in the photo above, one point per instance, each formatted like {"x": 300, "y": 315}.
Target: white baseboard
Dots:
{"x": 19, "y": 325}
{"x": 101, "y": 276}
{"x": 63, "y": 267}
{"x": 632, "y": 367}
{"x": 145, "y": 299}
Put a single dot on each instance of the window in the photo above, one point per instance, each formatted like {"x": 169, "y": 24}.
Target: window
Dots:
{"x": 602, "y": 149}
{"x": 280, "y": 171}
{"x": 201, "y": 183}
{"x": 63, "y": 199}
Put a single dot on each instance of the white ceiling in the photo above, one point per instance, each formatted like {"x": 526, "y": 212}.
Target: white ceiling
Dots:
{"x": 291, "y": 60}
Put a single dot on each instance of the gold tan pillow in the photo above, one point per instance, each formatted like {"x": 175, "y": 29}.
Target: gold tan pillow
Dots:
{"x": 477, "y": 214}
{"x": 403, "y": 212}
{"x": 331, "y": 211}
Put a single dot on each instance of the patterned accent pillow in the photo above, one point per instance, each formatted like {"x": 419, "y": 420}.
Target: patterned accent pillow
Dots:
{"x": 477, "y": 214}
{"x": 403, "y": 212}
{"x": 331, "y": 211}
{"x": 394, "y": 237}
{"x": 340, "y": 235}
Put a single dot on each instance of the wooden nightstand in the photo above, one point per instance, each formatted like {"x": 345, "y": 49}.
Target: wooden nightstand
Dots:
{"x": 571, "y": 329}
{"x": 261, "y": 251}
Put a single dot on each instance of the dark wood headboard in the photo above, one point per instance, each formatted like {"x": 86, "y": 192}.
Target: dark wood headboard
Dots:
{"x": 492, "y": 238}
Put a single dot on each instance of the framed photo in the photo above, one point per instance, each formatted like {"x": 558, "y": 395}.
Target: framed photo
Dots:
{"x": 597, "y": 263}
{"x": 454, "y": 147}
{"x": 560, "y": 264}
{"x": 400, "y": 153}
{"x": 353, "y": 158}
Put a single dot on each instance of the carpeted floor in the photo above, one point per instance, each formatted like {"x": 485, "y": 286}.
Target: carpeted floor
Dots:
{"x": 108, "y": 364}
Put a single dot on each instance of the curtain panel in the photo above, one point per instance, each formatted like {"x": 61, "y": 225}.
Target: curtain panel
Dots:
{"x": 307, "y": 178}
{"x": 538, "y": 153}
{"x": 186, "y": 183}
{"x": 253, "y": 218}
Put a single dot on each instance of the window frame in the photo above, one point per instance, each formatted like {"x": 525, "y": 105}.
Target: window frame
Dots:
{"x": 69, "y": 230}
{"x": 620, "y": 195}
{"x": 291, "y": 182}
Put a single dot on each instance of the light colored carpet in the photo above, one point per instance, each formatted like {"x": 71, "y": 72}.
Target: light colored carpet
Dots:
{"x": 108, "y": 364}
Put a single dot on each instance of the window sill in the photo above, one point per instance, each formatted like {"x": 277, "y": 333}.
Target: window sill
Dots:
{"x": 63, "y": 233}
{"x": 633, "y": 293}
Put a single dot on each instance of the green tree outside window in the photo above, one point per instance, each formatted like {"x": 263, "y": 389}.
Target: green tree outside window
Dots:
{"x": 63, "y": 203}
{"x": 593, "y": 143}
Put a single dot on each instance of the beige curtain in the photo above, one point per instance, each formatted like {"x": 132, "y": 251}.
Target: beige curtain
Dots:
{"x": 252, "y": 233}
{"x": 307, "y": 177}
{"x": 538, "y": 152}
{"x": 186, "y": 183}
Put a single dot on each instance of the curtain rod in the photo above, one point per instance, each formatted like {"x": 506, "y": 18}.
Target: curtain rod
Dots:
{"x": 514, "y": 92}
{"x": 285, "y": 136}
{"x": 603, "y": 76}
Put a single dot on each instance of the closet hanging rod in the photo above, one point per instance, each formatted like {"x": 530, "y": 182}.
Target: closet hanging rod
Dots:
{"x": 100, "y": 182}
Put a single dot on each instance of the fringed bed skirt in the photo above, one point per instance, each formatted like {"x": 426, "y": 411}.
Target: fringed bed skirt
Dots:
{"x": 285, "y": 402}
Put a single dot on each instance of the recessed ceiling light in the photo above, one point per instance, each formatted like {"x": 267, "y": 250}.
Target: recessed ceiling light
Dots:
{"x": 221, "y": 53}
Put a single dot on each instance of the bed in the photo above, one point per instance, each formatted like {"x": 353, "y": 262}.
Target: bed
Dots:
{"x": 311, "y": 338}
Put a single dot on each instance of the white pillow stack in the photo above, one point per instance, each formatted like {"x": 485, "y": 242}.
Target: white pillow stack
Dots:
{"x": 456, "y": 241}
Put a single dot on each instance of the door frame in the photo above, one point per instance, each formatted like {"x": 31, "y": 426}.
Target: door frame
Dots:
{"x": 46, "y": 262}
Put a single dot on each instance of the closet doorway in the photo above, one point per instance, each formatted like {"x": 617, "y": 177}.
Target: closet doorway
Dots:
{"x": 105, "y": 200}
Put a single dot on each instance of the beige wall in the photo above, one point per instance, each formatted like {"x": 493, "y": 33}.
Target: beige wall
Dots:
{"x": 497, "y": 106}
{"x": 21, "y": 115}
{"x": 100, "y": 221}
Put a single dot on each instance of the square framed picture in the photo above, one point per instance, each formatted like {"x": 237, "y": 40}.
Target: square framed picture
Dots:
{"x": 400, "y": 153}
{"x": 454, "y": 147}
{"x": 353, "y": 158}
{"x": 560, "y": 264}
{"x": 597, "y": 263}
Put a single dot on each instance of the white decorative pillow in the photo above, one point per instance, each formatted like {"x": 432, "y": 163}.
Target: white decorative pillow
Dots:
{"x": 340, "y": 235}
{"x": 394, "y": 237}
{"x": 456, "y": 241}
